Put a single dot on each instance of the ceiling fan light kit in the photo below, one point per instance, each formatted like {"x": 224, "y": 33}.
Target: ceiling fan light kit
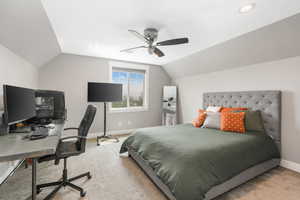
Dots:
{"x": 150, "y": 37}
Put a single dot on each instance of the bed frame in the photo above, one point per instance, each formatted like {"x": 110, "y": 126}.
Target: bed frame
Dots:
{"x": 268, "y": 102}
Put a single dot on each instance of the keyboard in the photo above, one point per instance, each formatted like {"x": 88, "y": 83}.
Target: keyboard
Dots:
{"x": 41, "y": 131}
{"x": 38, "y": 133}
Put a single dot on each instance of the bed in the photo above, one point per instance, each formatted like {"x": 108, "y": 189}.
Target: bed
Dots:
{"x": 189, "y": 163}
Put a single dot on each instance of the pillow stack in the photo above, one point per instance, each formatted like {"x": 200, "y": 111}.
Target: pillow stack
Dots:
{"x": 209, "y": 118}
{"x": 237, "y": 119}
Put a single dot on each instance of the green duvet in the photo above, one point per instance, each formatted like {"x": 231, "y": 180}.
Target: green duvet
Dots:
{"x": 191, "y": 160}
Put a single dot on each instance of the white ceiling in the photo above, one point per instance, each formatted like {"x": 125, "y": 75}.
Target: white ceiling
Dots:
{"x": 277, "y": 41}
{"x": 25, "y": 29}
{"x": 99, "y": 28}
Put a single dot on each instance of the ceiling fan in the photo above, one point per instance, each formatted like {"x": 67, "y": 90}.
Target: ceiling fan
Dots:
{"x": 150, "y": 37}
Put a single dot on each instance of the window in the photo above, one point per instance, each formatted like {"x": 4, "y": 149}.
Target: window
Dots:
{"x": 134, "y": 79}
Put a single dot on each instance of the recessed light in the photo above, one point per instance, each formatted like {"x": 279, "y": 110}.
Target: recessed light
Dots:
{"x": 247, "y": 8}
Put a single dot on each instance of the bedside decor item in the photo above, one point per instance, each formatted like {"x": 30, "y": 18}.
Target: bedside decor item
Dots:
{"x": 169, "y": 115}
{"x": 104, "y": 92}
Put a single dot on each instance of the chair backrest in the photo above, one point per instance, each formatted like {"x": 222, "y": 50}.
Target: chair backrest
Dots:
{"x": 85, "y": 125}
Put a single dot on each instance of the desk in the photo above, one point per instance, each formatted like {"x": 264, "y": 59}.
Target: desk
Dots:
{"x": 14, "y": 147}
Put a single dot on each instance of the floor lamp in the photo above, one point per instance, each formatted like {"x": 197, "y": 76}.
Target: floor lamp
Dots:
{"x": 104, "y": 92}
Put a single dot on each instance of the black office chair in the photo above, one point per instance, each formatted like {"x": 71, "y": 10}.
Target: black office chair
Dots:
{"x": 69, "y": 147}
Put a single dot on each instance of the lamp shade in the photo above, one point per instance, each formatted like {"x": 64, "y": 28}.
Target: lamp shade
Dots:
{"x": 104, "y": 92}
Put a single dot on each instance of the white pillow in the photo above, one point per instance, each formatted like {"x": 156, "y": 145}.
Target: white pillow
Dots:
{"x": 213, "y": 108}
{"x": 212, "y": 120}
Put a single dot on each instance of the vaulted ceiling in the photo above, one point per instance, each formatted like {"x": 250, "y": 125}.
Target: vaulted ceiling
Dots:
{"x": 25, "y": 29}
{"x": 40, "y": 29}
{"x": 277, "y": 41}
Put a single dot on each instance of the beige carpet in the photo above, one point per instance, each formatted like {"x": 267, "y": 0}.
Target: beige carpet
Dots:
{"x": 119, "y": 178}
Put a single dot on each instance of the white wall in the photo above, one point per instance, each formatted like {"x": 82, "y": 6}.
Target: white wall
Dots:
{"x": 26, "y": 30}
{"x": 281, "y": 75}
{"x": 14, "y": 71}
{"x": 71, "y": 73}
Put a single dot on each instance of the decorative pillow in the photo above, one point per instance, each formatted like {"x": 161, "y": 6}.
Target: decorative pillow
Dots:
{"x": 225, "y": 109}
{"x": 200, "y": 120}
{"x": 233, "y": 122}
{"x": 212, "y": 120}
{"x": 253, "y": 121}
{"x": 213, "y": 108}
{"x": 201, "y": 111}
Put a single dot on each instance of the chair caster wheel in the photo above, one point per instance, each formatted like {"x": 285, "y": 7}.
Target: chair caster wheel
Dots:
{"x": 82, "y": 194}
{"x": 89, "y": 176}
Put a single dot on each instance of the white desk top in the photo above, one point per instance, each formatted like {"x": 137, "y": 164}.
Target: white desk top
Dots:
{"x": 14, "y": 147}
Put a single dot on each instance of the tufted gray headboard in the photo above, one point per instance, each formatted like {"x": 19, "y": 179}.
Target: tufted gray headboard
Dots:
{"x": 268, "y": 102}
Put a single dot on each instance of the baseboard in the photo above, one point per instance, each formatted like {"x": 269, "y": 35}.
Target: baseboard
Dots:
{"x": 114, "y": 132}
{"x": 290, "y": 165}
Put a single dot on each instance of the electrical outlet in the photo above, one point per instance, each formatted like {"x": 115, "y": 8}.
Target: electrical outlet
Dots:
{"x": 120, "y": 123}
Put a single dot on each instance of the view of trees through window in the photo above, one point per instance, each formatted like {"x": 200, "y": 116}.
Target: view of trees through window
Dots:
{"x": 133, "y": 87}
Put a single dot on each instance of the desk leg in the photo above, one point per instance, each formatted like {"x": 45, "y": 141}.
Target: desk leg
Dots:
{"x": 33, "y": 191}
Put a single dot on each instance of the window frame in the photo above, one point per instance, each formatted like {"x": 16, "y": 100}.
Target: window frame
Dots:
{"x": 127, "y": 67}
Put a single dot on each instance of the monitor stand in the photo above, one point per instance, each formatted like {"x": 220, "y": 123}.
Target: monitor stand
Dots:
{"x": 104, "y": 136}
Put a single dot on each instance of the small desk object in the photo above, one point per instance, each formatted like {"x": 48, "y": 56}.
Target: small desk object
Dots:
{"x": 15, "y": 147}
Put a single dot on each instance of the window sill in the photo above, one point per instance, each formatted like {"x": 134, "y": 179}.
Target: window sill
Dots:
{"x": 128, "y": 110}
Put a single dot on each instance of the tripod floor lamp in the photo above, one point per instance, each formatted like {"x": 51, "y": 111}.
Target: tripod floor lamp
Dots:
{"x": 104, "y": 92}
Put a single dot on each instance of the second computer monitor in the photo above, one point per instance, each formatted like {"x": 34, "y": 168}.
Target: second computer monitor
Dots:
{"x": 19, "y": 104}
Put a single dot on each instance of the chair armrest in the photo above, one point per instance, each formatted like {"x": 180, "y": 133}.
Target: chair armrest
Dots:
{"x": 71, "y": 137}
{"x": 71, "y": 128}
{"x": 61, "y": 141}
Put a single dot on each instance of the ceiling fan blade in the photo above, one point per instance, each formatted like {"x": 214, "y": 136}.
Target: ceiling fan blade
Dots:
{"x": 130, "y": 49}
{"x": 141, "y": 36}
{"x": 173, "y": 42}
{"x": 158, "y": 52}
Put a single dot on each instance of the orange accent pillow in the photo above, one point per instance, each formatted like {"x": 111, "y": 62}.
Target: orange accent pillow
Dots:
{"x": 200, "y": 120}
{"x": 202, "y": 116}
{"x": 225, "y": 109}
{"x": 201, "y": 111}
{"x": 233, "y": 122}
{"x": 196, "y": 123}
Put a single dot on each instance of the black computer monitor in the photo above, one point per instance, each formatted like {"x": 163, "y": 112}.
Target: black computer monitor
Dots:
{"x": 50, "y": 104}
{"x": 104, "y": 92}
{"x": 19, "y": 104}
